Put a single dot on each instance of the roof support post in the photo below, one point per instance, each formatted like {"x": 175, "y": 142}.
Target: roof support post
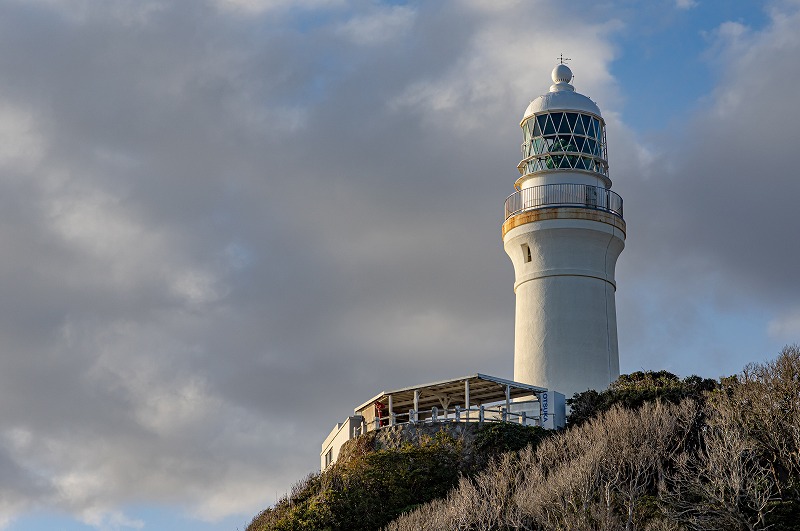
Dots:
{"x": 466, "y": 397}
{"x": 416, "y": 404}
{"x": 508, "y": 400}
{"x": 391, "y": 412}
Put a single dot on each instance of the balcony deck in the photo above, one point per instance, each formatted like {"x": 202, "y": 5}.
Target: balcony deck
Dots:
{"x": 564, "y": 195}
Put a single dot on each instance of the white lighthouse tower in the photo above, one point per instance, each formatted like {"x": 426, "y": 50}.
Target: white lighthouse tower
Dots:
{"x": 564, "y": 231}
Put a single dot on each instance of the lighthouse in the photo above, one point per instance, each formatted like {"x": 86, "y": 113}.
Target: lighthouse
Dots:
{"x": 564, "y": 230}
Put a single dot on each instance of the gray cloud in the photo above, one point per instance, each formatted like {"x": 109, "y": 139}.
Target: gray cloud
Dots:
{"x": 711, "y": 206}
{"x": 227, "y": 223}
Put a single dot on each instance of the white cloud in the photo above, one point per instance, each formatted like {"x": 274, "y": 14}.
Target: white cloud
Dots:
{"x": 99, "y": 224}
{"x": 126, "y": 12}
{"x": 713, "y": 220}
{"x": 22, "y": 142}
{"x": 378, "y": 27}
{"x": 110, "y": 520}
{"x": 497, "y": 68}
{"x": 261, "y": 6}
{"x": 785, "y": 327}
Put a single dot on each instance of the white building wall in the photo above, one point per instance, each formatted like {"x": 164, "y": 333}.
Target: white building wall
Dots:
{"x": 560, "y": 177}
{"x": 340, "y": 434}
{"x": 565, "y": 325}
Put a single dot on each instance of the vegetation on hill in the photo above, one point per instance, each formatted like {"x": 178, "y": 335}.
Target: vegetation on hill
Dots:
{"x": 368, "y": 488}
{"x": 651, "y": 453}
{"x": 633, "y": 390}
{"x": 728, "y": 459}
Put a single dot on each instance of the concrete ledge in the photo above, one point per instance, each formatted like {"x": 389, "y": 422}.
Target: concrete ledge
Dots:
{"x": 563, "y": 272}
{"x": 541, "y": 214}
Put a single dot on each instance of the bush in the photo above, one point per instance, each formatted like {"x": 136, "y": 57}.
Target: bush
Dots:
{"x": 370, "y": 490}
{"x": 494, "y": 439}
{"x": 633, "y": 390}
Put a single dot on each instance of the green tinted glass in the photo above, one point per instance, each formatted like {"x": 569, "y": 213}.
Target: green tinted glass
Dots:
{"x": 540, "y": 121}
{"x": 549, "y": 129}
{"x": 571, "y": 119}
{"x": 564, "y": 127}
{"x": 579, "y": 130}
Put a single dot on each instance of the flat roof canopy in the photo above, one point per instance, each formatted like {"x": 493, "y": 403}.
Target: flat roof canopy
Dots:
{"x": 483, "y": 389}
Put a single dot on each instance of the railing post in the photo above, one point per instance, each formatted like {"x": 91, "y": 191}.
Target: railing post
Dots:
{"x": 508, "y": 403}
{"x": 524, "y": 419}
{"x": 458, "y": 414}
{"x": 377, "y": 423}
{"x": 544, "y": 195}
{"x": 434, "y": 414}
{"x": 480, "y": 415}
{"x": 466, "y": 396}
{"x": 412, "y": 417}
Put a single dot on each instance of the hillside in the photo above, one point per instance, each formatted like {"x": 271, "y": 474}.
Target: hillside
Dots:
{"x": 380, "y": 476}
{"x": 653, "y": 452}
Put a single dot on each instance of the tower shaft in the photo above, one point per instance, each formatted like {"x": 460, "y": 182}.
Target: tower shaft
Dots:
{"x": 565, "y": 329}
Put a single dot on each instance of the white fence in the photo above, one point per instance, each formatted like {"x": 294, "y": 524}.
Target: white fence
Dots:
{"x": 479, "y": 414}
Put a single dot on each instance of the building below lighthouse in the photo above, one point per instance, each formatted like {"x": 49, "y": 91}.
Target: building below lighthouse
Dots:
{"x": 564, "y": 231}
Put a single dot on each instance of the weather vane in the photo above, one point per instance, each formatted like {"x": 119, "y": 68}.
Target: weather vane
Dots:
{"x": 561, "y": 59}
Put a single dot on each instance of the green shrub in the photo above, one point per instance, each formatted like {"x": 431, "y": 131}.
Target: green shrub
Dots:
{"x": 370, "y": 490}
{"x": 496, "y": 438}
{"x": 633, "y": 390}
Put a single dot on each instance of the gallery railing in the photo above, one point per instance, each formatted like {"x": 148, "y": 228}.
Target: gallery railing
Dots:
{"x": 556, "y": 195}
{"x": 479, "y": 414}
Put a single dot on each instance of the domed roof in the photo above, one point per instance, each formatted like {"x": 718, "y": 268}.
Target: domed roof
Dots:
{"x": 562, "y": 96}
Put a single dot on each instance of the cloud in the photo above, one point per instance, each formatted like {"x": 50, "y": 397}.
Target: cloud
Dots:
{"x": 225, "y": 236}
{"x": 110, "y": 521}
{"x": 257, "y": 7}
{"x": 733, "y": 171}
{"x": 711, "y": 212}
{"x": 488, "y": 70}
{"x": 786, "y": 327}
{"x": 379, "y": 27}
{"x": 21, "y": 140}
{"x": 224, "y": 228}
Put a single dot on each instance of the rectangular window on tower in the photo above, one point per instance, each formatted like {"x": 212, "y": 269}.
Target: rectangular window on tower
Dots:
{"x": 526, "y": 253}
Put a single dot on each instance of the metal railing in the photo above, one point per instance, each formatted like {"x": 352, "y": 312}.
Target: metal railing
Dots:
{"x": 555, "y": 195}
{"x": 478, "y": 414}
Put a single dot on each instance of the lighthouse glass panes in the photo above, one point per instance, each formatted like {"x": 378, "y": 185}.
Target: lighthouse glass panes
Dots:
{"x": 564, "y": 140}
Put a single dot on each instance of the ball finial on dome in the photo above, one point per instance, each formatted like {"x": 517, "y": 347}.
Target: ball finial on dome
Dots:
{"x": 562, "y": 74}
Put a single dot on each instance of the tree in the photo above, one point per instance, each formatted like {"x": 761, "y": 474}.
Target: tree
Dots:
{"x": 725, "y": 484}
{"x": 635, "y": 389}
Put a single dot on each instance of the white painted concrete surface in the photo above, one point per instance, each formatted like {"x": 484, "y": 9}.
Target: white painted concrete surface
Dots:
{"x": 565, "y": 325}
{"x": 340, "y": 434}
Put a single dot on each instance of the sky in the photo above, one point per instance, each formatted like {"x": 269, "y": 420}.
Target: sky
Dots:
{"x": 225, "y": 223}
